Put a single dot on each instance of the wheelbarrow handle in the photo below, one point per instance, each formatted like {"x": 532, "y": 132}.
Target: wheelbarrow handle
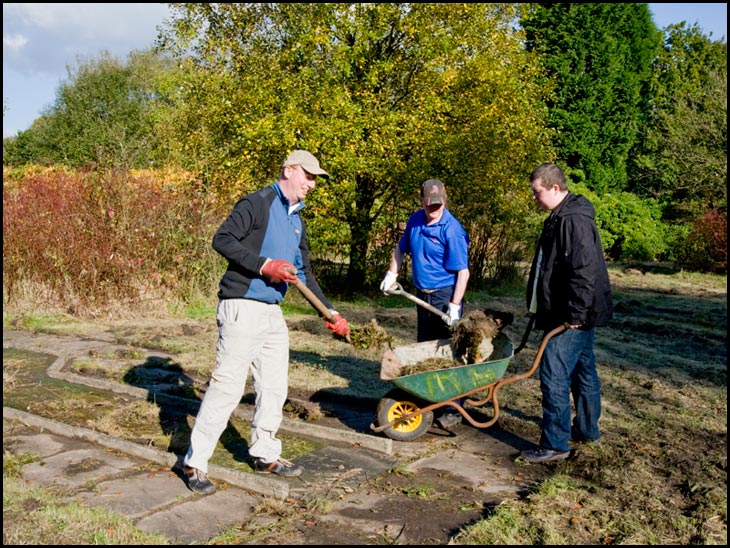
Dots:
{"x": 397, "y": 289}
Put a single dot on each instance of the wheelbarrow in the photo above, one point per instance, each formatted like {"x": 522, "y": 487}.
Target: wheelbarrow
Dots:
{"x": 406, "y": 412}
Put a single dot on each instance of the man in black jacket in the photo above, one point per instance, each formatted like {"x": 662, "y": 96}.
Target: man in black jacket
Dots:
{"x": 568, "y": 285}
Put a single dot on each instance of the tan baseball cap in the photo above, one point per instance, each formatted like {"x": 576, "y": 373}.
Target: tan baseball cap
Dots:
{"x": 306, "y": 159}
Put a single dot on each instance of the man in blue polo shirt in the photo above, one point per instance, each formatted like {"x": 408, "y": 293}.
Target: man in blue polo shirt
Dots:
{"x": 438, "y": 246}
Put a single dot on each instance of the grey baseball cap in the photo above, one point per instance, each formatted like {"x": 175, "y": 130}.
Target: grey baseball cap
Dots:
{"x": 433, "y": 192}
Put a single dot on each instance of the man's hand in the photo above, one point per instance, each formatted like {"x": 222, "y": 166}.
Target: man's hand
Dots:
{"x": 338, "y": 325}
{"x": 278, "y": 271}
{"x": 388, "y": 281}
{"x": 454, "y": 312}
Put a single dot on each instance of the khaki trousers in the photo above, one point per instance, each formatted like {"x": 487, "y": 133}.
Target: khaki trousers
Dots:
{"x": 251, "y": 336}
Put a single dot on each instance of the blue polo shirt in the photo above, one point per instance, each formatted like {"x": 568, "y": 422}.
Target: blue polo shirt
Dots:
{"x": 438, "y": 251}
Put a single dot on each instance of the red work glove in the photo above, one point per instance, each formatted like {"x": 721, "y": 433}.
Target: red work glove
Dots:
{"x": 338, "y": 325}
{"x": 278, "y": 270}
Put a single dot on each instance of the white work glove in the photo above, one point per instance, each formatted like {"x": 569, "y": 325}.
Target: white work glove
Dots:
{"x": 454, "y": 313}
{"x": 388, "y": 281}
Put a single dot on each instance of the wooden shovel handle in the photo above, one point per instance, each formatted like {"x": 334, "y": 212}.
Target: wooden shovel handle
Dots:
{"x": 397, "y": 289}
{"x": 312, "y": 298}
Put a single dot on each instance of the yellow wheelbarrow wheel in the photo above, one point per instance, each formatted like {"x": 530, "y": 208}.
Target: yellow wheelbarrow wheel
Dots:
{"x": 397, "y": 404}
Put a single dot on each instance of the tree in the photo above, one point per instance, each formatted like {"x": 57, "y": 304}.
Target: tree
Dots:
{"x": 103, "y": 115}
{"x": 683, "y": 158}
{"x": 601, "y": 57}
{"x": 386, "y": 95}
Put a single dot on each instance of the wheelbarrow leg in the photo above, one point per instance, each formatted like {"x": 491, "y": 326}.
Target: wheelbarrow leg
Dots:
{"x": 494, "y": 387}
{"x": 491, "y": 395}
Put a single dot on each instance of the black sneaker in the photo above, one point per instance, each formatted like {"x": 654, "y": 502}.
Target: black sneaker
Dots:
{"x": 544, "y": 455}
{"x": 198, "y": 481}
{"x": 282, "y": 467}
{"x": 447, "y": 420}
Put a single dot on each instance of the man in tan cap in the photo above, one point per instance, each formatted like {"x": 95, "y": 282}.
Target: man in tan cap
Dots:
{"x": 265, "y": 242}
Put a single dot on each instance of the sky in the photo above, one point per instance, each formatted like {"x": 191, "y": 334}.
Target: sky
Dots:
{"x": 41, "y": 40}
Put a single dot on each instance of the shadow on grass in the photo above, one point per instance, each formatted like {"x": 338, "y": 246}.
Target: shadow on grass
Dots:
{"x": 173, "y": 392}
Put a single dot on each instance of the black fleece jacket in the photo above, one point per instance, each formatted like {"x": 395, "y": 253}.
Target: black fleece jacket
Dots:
{"x": 262, "y": 224}
{"x": 573, "y": 285}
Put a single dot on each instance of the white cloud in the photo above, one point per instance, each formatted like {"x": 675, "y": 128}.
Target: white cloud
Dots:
{"x": 40, "y": 41}
{"x": 14, "y": 41}
{"x": 88, "y": 21}
{"x": 58, "y": 35}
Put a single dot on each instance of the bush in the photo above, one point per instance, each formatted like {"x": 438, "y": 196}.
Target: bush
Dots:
{"x": 85, "y": 241}
{"x": 704, "y": 247}
{"x": 631, "y": 227}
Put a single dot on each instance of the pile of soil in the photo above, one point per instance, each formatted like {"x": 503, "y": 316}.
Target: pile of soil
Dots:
{"x": 474, "y": 328}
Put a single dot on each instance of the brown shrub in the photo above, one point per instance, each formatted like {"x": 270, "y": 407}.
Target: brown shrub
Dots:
{"x": 96, "y": 238}
{"x": 705, "y": 248}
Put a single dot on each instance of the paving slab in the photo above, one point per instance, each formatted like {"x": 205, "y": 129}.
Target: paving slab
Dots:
{"x": 361, "y": 512}
{"x": 337, "y": 468}
{"x": 76, "y": 467}
{"x": 138, "y": 494}
{"x": 483, "y": 461}
{"x": 202, "y": 517}
{"x": 476, "y": 470}
{"x": 41, "y": 444}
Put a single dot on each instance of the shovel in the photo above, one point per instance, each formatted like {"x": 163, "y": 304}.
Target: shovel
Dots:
{"x": 397, "y": 289}
{"x": 316, "y": 303}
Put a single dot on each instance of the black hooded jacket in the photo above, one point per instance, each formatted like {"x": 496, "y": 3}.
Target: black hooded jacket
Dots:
{"x": 573, "y": 285}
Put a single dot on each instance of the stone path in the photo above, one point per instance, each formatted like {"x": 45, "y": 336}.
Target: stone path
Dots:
{"x": 141, "y": 482}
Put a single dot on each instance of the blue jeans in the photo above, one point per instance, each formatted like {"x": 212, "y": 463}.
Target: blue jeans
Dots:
{"x": 568, "y": 366}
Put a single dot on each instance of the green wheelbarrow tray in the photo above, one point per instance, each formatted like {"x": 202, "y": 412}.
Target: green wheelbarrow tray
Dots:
{"x": 453, "y": 382}
{"x": 399, "y": 412}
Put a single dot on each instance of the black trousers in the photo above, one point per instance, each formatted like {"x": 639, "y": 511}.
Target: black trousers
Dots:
{"x": 431, "y": 326}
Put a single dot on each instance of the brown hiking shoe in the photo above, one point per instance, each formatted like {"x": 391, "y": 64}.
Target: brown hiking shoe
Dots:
{"x": 198, "y": 481}
{"x": 281, "y": 467}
